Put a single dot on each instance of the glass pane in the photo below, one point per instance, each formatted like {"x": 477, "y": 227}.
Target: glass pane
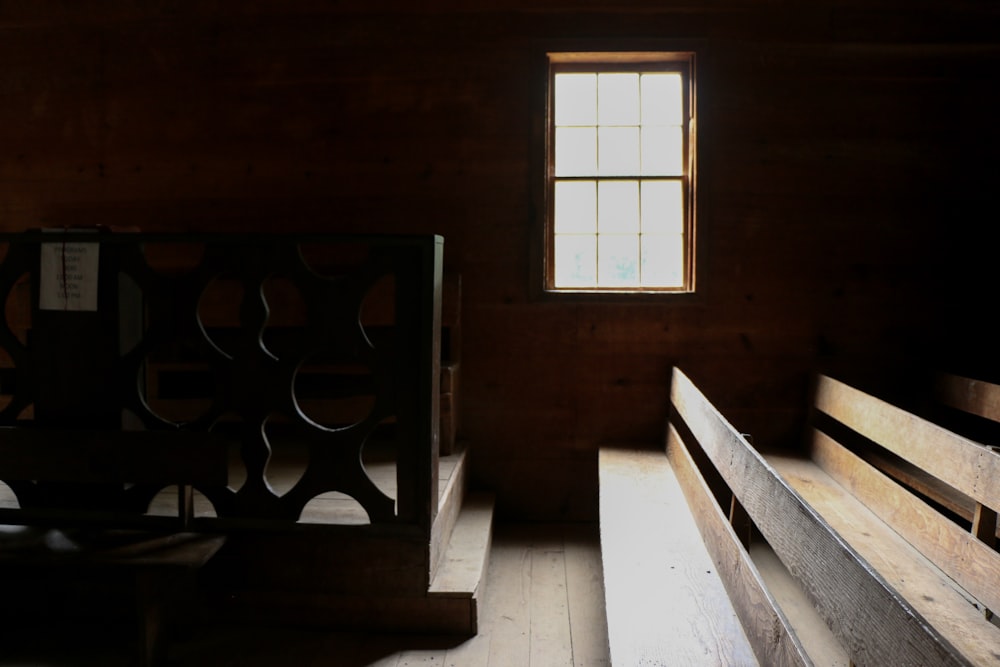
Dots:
{"x": 662, "y": 207}
{"x": 618, "y": 99}
{"x": 576, "y": 99}
{"x": 576, "y": 260}
{"x": 576, "y": 151}
{"x": 618, "y": 150}
{"x": 662, "y": 99}
{"x": 618, "y": 260}
{"x": 576, "y": 207}
{"x": 662, "y": 260}
{"x": 662, "y": 151}
{"x": 618, "y": 207}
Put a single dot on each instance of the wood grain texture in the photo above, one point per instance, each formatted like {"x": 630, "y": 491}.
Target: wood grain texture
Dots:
{"x": 764, "y": 622}
{"x": 967, "y": 560}
{"x": 872, "y": 622}
{"x": 585, "y": 592}
{"x": 977, "y": 397}
{"x": 918, "y": 583}
{"x": 962, "y": 463}
{"x": 666, "y": 603}
{"x": 820, "y": 643}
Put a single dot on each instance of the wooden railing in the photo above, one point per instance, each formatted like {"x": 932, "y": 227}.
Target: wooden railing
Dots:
{"x": 327, "y": 342}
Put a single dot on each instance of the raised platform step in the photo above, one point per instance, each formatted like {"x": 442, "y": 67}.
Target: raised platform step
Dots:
{"x": 665, "y": 602}
{"x": 461, "y": 574}
{"x": 449, "y": 606}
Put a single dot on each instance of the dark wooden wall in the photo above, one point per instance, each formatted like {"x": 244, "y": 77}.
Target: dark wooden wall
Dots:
{"x": 848, "y": 177}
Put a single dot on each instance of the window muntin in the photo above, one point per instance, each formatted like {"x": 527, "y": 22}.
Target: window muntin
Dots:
{"x": 620, "y": 167}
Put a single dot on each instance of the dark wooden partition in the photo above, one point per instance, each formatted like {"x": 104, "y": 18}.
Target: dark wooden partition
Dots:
{"x": 328, "y": 344}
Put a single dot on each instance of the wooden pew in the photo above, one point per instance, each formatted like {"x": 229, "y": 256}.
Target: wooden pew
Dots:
{"x": 824, "y": 559}
{"x": 941, "y": 578}
{"x": 961, "y": 467}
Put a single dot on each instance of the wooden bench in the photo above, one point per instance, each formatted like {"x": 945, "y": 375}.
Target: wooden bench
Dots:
{"x": 74, "y": 506}
{"x": 827, "y": 560}
{"x": 664, "y": 599}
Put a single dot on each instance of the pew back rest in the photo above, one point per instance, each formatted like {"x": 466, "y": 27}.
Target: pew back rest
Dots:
{"x": 940, "y": 465}
{"x": 872, "y": 621}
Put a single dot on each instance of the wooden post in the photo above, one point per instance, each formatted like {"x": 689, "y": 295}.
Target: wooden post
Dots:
{"x": 739, "y": 519}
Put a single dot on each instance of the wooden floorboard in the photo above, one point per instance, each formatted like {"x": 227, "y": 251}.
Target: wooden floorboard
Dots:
{"x": 543, "y": 607}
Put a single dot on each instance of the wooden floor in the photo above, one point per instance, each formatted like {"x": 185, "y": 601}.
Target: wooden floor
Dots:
{"x": 543, "y": 607}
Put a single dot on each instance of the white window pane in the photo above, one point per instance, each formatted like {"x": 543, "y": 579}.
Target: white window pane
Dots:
{"x": 618, "y": 151}
{"x": 576, "y": 99}
{"x": 662, "y": 99}
{"x": 618, "y": 99}
{"x": 662, "y": 207}
{"x": 662, "y": 260}
{"x": 576, "y": 260}
{"x": 618, "y": 260}
{"x": 618, "y": 207}
{"x": 576, "y": 151}
{"x": 662, "y": 151}
{"x": 576, "y": 207}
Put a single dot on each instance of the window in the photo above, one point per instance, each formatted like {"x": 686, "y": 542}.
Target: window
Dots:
{"x": 620, "y": 173}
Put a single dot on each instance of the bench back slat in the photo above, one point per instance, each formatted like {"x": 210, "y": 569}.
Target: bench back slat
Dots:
{"x": 874, "y": 624}
{"x": 964, "y": 464}
{"x": 976, "y": 397}
{"x": 776, "y": 644}
{"x": 967, "y": 560}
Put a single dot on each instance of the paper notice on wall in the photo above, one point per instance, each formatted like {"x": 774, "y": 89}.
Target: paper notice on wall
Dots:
{"x": 68, "y": 278}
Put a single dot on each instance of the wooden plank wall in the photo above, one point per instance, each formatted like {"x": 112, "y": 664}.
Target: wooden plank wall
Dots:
{"x": 846, "y": 149}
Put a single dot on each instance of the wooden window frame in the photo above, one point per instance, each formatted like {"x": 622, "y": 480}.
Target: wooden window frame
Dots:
{"x": 682, "y": 61}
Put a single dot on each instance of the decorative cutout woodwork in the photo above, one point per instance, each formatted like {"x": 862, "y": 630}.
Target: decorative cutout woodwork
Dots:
{"x": 304, "y": 348}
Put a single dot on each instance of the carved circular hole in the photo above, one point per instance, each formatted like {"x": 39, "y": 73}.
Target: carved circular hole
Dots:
{"x": 201, "y": 506}
{"x": 378, "y": 308}
{"x": 334, "y": 393}
{"x": 229, "y": 426}
{"x": 334, "y": 507}
{"x": 219, "y": 311}
{"x": 17, "y": 308}
{"x": 289, "y": 456}
{"x": 178, "y": 384}
{"x": 165, "y": 502}
{"x": 285, "y": 330}
{"x": 379, "y": 458}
